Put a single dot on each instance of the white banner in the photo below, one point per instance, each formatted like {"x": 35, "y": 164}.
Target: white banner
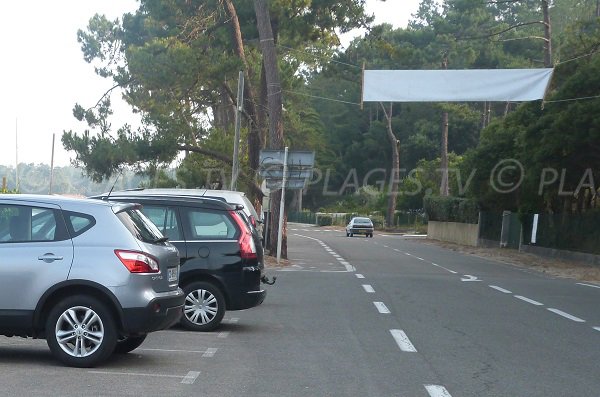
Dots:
{"x": 476, "y": 85}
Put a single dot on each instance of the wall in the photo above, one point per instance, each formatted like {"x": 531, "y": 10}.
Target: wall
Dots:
{"x": 460, "y": 233}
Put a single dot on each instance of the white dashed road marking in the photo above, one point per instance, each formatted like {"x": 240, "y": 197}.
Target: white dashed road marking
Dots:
{"x": 589, "y": 285}
{"x": 382, "y": 308}
{"x": 210, "y": 352}
{"x": 500, "y": 289}
{"x": 596, "y": 328}
{"x": 437, "y": 391}
{"x": 566, "y": 315}
{"x": 529, "y": 300}
{"x": 368, "y": 288}
{"x": 402, "y": 341}
{"x": 358, "y": 275}
{"x": 223, "y": 334}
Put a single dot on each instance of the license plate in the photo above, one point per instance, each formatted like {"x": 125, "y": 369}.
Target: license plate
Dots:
{"x": 172, "y": 273}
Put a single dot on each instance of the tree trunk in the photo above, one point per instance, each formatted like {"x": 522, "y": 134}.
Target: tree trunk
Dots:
{"x": 254, "y": 135}
{"x": 547, "y": 36}
{"x": 395, "y": 175}
{"x": 274, "y": 105}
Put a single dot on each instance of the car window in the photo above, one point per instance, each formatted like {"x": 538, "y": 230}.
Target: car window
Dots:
{"x": 78, "y": 223}
{"x": 28, "y": 224}
{"x": 210, "y": 225}
{"x": 165, "y": 218}
{"x": 139, "y": 225}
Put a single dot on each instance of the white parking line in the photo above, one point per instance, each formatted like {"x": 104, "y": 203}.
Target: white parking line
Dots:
{"x": 223, "y": 334}
{"x": 421, "y": 259}
{"x": 358, "y": 275}
{"x": 172, "y": 350}
{"x": 566, "y": 315}
{"x": 437, "y": 391}
{"x": 136, "y": 374}
{"x": 210, "y": 352}
{"x": 529, "y": 300}
{"x": 368, "y": 288}
{"x": 596, "y": 328}
{"x": 402, "y": 341}
{"x": 382, "y": 308}
{"x": 190, "y": 378}
{"x": 500, "y": 289}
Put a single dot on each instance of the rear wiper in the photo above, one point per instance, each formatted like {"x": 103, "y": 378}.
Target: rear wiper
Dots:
{"x": 160, "y": 240}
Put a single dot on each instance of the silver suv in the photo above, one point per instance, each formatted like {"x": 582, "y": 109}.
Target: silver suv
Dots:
{"x": 91, "y": 277}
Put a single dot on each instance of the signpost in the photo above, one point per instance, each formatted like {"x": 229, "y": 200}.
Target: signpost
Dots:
{"x": 283, "y": 169}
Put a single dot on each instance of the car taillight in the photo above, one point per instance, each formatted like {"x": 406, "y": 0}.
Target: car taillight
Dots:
{"x": 247, "y": 246}
{"x": 138, "y": 262}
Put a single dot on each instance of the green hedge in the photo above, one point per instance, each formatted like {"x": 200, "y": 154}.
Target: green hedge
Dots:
{"x": 324, "y": 220}
{"x": 451, "y": 209}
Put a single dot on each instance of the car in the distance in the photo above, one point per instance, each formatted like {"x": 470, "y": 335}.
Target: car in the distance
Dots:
{"x": 92, "y": 278}
{"x": 360, "y": 225}
{"x": 221, "y": 258}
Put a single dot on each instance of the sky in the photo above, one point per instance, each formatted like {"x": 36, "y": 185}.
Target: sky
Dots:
{"x": 43, "y": 73}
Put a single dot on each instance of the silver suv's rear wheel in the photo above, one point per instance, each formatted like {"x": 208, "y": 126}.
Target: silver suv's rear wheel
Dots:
{"x": 204, "y": 306}
{"x": 80, "y": 331}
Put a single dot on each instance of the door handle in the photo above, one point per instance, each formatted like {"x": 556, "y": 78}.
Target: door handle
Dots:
{"x": 50, "y": 257}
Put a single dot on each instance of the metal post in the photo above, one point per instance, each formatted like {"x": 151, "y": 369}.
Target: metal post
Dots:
{"x": 51, "y": 166}
{"x": 238, "y": 121}
{"x": 281, "y": 205}
{"x": 17, "y": 155}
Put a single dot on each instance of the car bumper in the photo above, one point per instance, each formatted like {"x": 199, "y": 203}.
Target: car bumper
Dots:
{"x": 245, "y": 290}
{"x": 161, "y": 313}
{"x": 361, "y": 231}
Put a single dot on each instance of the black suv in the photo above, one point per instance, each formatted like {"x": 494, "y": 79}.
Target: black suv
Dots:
{"x": 221, "y": 263}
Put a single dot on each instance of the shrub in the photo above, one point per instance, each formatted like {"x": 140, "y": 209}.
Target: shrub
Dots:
{"x": 324, "y": 220}
{"x": 451, "y": 209}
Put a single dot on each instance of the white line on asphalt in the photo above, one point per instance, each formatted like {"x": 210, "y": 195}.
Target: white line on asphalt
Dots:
{"x": 368, "y": 288}
{"x": 437, "y": 391}
{"x": 396, "y": 249}
{"x": 232, "y": 320}
{"x": 190, "y": 378}
{"x": 468, "y": 277}
{"x": 421, "y": 259}
{"x": 173, "y": 350}
{"x": 529, "y": 300}
{"x": 223, "y": 334}
{"x": 349, "y": 268}
{"x": 340, "y": 259}
{"x": 596, "y": 328}
{"x": 402, "y": 340}
{"x": 566, "y": 315}
{"x": 210, "y": 352}
{"x": 135, "y": 374}
{"x": 589, "y": 285}
{"x": 358, "y": 275}
{"x": 500, "y": 289}
{"x": 385, "y": 246}
{"x": 442, "y": 267}
{"x": 406, "y": 253}
{"x": 382, "y": 308}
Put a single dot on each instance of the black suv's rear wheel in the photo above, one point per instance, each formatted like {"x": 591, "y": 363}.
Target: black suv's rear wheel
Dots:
{"x": 204, "y": 306}
{"x": 81, "y": 331}
{"x": 129, "y": 343}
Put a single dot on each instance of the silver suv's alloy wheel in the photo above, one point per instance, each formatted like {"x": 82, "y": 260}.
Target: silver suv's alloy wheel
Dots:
{"x": 79, "y": 331}
{"x": 204, "y": 306}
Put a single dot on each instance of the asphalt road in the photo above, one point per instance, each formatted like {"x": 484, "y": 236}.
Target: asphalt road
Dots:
{"x": 386, "y": 316}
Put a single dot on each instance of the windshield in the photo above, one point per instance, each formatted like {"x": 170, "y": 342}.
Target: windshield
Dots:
{"x": 365, "y": 221}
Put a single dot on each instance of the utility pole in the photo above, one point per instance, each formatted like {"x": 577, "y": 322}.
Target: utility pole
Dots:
{"x": 444, "y": 191}
{"x": 238, "y": 121}
{"x": 52, "y": 165}
{"x": 17, "y": 154}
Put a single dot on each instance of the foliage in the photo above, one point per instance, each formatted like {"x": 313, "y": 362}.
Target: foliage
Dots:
{"x": 451, "y": 209}
{"x": 324, "y": 220}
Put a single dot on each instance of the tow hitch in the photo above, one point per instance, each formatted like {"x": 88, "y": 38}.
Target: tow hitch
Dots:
{"x": 265, "y": 280}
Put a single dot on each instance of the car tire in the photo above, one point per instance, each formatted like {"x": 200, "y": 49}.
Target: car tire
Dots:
{"x": 350, "y": 235}
{"x": 347, "y": 234}
{"x": 129, "y": 343}
{"x": 204, "y": 306}
{"x": 81, "y": 331}
{"x": 371, "y": 235}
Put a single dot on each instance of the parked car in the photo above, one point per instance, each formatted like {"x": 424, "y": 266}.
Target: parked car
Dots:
{"x": 360, "y": 225}
{"x": 221, "y": 259}
{"x": 92, "y": 278}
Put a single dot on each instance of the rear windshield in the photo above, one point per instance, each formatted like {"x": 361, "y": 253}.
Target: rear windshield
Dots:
{"x": 140, "y": 226}
{"x": 362, "y": 220}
